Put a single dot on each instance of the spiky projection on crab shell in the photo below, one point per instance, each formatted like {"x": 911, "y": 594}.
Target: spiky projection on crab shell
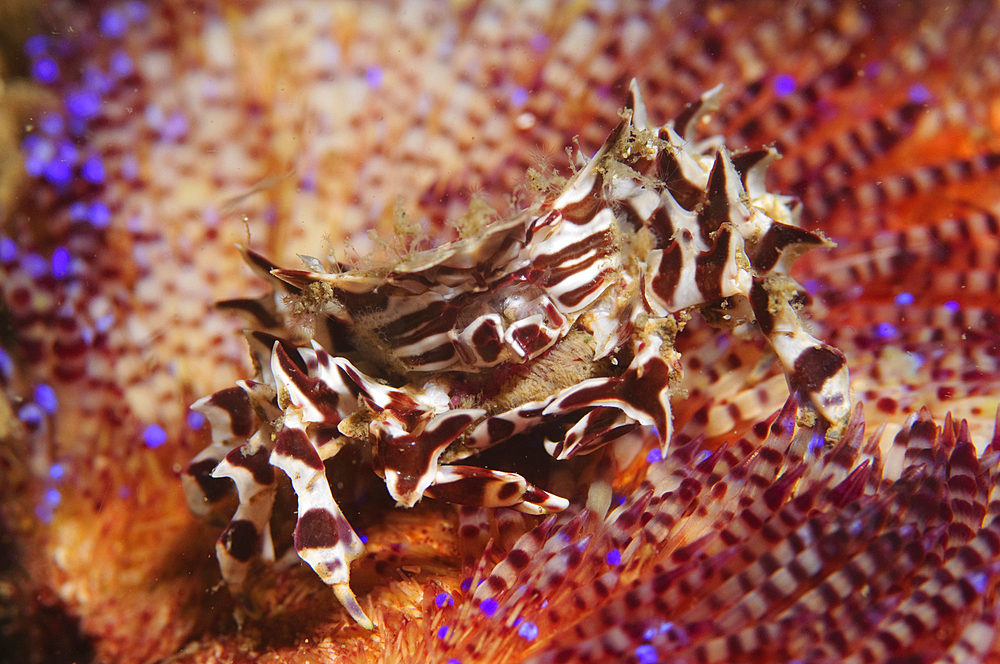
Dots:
{"x": 587, "y": 289}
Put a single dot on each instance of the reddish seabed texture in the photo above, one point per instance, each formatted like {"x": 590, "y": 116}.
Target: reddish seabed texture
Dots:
{"x": 180, "y": 128}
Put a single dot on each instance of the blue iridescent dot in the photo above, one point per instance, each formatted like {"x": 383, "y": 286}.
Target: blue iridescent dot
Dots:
{"x": 8, "y": 249}
{"x": 904, "y": 299}
{"x": 83, "y": 104}
{"x": 52, "y": 124}
{"x": 528, "y": 631}
{"x": 489, "y": 606}
{"x": 57, "y": 471}
{"x": 124, "y": 493}
{"x": 61, "y": 260}
{"x": 951, "y": 305}
{"x": 34, "y": 265}
{"x": 885, "y": 330}
{"x": 45, "y": 70}
{"x": 30, "y": 414}
{"x": 104, "y": 323}
{"x": 654, "y": 455}
{"x": 646, "y": 654}
{"x": 518, "y": 97}
{"x": 93, "y": 170}
{"x": 195, "y": 420}
{"x": 97, "y": 81}
{"x": 78, "y": 211}
{"x": 620, "y": 500}
{"x": 99, "y": 215}
{"x": 443, "y": 599}
{"x": 52, "y": 497}
{"x": 649, "y": 634}
{"x": 175, "y": 127}
{"x": 363, "y": 537}
{"x": 35, "y": 46}
{"x": 154, "y": 436}
{"x": 614, "y": 557}
{"x": 443, "y": 632}
{"x": 121, "y": 65}
{"x": 45, "y": 397}
{"x": 816, "y": 443}
{"x": 466, "y": 584}
{"x": 136, "y": 11}
{"x": 59, "y": 172}
{"x": 784, "y": 85}
{"x": 113, "y": 23}
{"x": 6, "y": 365}
{"x": 919, "y": 94}
{"x": 978, "y": 581}
{"x": 374, "y": 77}
{"x": 454, "y": 660}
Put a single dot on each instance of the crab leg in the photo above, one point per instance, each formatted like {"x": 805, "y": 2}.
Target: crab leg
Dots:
{"x": 248, "y": 535}
{"x": 468, "y": 485}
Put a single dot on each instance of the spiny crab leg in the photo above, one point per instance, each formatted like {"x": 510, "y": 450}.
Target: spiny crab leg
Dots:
{"x": 323, "y": 536}
{"x": 248, "y": 535}
{"x": 469, "y": 485}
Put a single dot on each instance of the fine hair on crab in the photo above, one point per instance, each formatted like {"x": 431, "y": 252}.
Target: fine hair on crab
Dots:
{"x": 557, "y": 323}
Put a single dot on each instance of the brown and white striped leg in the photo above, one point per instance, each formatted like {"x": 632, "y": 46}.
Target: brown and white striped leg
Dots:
{"x": 248, "y": 535}
{"x": 323, "y": 536}
{"x": 468, "y": 485}
{"x": 812, "y": 367}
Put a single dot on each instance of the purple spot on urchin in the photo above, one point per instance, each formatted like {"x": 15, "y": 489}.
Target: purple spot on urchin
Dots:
{"x": 816, "y": 443}
{"x": 124, "y": 493}
{"x": 195, "y": 420}
{"x": 83, "y": 104}
{"x": 129, "y": 167}
{"x": 443, "y": 632}
{"x": 374, "y": 77}
{"x": 97, "y": 81}
{"x": 454, "y": 660}
{"x": 951, "y": 305}
{"x": 34, "y": 265}
{"x": 99, "y": 214}
{"x": 919, "y": 94}
{"x": 489, "y": 606}
{"x": 154, "y": 436}
{"x": 45, "y": 70}
{"x": 52, "y": 124}
{"x": 8, "y": 250}
{"x": 57, "y": 471}
{"x": 113, "y": 23}
{"x": 812, "y": 286}
{"x": 978, "y": 581}
{"x": 654, "y": 455}
{"x": 30, "y": 414}
{"x": 136, "y": 11}
{"x": 363, "y": 537}
{"x": 92, "y": 170}
{"x": 885, "y": 330}
{"x": 121, "y": 65}
{"x": 51, "y": 497}
{"x": 6, "y": 365}
{"x": 528, "y": 630}
{"x": 518, "y": 97}
{"x": 36, "y": 46}
{"x": 78, "y": 211}
{"x": 614, "y": 557}
{"x": 466, "y": 584}
{"x": 104, "y": 323}
{"x": 176, "y": 127}
{"x": 539, "y": 42}
{"x": 443, "y": 599}
{"x": 904, "y": 299}
{"x": 646, "y": 654}
{"x": 784, "y": 85}
{"x": 61, "y": 261}
{"x": 873, "y": 68}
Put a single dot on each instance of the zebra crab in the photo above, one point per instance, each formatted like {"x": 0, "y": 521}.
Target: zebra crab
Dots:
{"x": 557, "y": 323}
